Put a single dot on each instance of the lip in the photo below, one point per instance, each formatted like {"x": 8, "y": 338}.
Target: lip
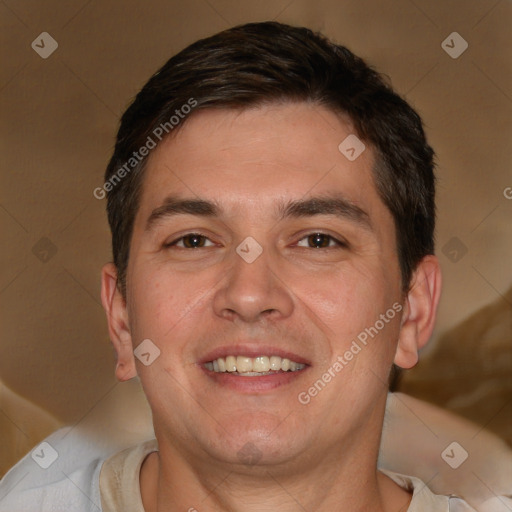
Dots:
{"x": 253, "y": 385}
{"x": 252, "y": 350}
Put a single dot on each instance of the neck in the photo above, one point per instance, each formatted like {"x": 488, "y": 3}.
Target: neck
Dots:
{"x": 343, "y": 479}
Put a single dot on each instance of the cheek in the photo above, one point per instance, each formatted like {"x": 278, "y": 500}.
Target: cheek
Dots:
{"x": 347, "y": 306}
{"x": 346, "y": 300}
{"x": 162, "y": 299}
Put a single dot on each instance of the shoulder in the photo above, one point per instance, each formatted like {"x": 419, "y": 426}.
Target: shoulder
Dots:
{"x": 59, "y": 474}
{"x": 424, "y": 500}
{"x": 120, "y": 478}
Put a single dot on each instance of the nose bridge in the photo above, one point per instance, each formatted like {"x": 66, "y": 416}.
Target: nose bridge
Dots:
{"x": 251, "y": 288}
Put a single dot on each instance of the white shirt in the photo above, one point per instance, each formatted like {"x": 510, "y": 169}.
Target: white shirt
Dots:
{"x": 81, "y": 479}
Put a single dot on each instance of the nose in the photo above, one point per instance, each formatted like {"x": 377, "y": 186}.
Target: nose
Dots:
{"x": 253, "y": 291}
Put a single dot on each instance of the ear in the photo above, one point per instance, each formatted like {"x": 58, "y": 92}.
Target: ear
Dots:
{"x": 419, "y": 314}
{"x": 118, "y": 323}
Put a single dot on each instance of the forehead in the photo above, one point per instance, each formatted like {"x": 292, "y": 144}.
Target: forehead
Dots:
{"x": 251, "y": 158}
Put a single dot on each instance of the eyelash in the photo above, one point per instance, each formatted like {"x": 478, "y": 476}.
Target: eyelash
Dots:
{"x": 338, "y": 243}
{"x": 181, "y": 238}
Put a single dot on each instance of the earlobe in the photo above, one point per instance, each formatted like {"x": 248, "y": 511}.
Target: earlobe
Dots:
{"x": 419, "y": 313}
{"x": 118, "y": 323}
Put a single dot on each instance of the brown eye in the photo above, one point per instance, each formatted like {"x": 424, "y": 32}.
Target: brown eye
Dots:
{"x": 321, "y": 241}
{"x": 318, "y": 240}
{"x": 192, "y": 241}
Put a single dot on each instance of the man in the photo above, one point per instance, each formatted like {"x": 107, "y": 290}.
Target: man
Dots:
{"x": 271, "y": 202}
{"x": 289, "y": 210}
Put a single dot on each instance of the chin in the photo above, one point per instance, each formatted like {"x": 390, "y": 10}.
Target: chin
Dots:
{"x": 270, "y": 441}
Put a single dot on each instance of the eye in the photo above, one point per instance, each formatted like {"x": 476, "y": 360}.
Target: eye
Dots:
{"x": 191, "y": 241}
{"x": 319, "y": 241}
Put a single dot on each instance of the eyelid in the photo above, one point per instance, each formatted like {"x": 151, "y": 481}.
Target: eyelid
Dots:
{"x": 174, "y": 241}
{"x": 340, "y": 242}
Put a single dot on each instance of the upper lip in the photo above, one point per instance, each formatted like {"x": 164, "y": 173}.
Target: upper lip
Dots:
{"x": 251, "y": 350}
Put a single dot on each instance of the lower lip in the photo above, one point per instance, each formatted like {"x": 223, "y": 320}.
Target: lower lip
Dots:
{"x": 253, "y": 384}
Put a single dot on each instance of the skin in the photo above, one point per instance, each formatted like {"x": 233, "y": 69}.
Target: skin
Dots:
{"x": 296, "y": 297}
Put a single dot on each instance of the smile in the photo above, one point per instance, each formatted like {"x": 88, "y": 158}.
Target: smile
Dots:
{"x": 253, "y": 366}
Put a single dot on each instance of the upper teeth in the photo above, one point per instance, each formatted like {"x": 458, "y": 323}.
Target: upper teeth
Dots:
{"x": 242, "y": 364}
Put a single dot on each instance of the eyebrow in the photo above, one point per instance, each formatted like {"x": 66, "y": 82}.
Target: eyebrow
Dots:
{"x": 176, "y": 206}
{"x": 338, "y": 206}
{"x": 329, "y": 205}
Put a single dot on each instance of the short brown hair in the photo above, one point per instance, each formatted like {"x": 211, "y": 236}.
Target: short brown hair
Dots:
{"x": 269, "y": 62}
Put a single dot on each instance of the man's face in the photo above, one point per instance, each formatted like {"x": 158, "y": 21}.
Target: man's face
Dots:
{"x": 328, "y": 270}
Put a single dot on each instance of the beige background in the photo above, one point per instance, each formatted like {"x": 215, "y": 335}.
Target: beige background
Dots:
{"x": 59, "y": 117}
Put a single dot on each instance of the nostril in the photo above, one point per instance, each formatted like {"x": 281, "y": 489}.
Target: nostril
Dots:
{"x": 229, "y": 313}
